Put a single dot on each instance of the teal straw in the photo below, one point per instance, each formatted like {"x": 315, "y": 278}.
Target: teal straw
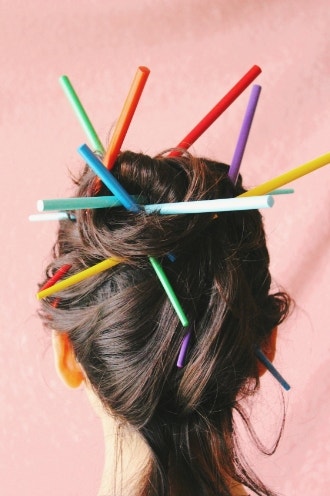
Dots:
{"x": 169, "y": 291}
{"x": 287, "y": 191}
{"x": 81, "y": 114}
{"x": 80, "y": 203}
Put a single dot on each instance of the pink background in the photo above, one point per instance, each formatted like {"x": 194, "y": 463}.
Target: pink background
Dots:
{"x": 51, "y": 442}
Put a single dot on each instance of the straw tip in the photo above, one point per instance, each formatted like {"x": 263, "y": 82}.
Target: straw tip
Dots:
{"x": 40, "y": 205}
{"x": 270, "y": 201}
{"x": 144, "y": 69}
{"x": 257, "y": 69}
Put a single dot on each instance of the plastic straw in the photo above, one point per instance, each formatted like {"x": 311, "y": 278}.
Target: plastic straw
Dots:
{"x": 126, "y": 116}
{"x": 219, "y": 108}
{"x": 287, "y": 191}
{"x": 289, "y": 176}
{"x": 76, "y": 278}
{"x": 108, "y": 179}
{"x": 244, "y": 134}
{"x": 183, "y": 350}
{"x": 169, "y": 291}
{"x": 79, "y": 203}
{"x": 51, "y": 216}
{"x": 57, "y": 276}
{"x": 81, "y": 114}
{"x": 204, "y": 206}
{"x": 264, "y": 360}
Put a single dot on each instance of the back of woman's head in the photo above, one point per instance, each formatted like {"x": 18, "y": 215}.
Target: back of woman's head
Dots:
{"x": 127, "y": 335}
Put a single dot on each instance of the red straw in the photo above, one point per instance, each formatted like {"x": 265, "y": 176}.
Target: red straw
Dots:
{"x": 220, "y": 107}
{"x": 57, "y": 276}
{"x": 126, "y": 116}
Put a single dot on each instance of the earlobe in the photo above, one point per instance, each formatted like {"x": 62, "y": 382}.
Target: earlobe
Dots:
{"x": 68, "y": 368}
{"x": 269, "y": 349}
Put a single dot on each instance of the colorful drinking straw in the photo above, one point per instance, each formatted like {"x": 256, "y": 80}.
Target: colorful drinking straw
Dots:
{"x": 51, "y": 216}
{"x": 244, "y": 133}
{"x": 289, "y": 176}
{"x": 80, "y": 203}
{"x": 183, "y": 350}
{"x": 285, "y": 191}
{"x": 108, "y": 179}
{"x": 204, "y": 206}
{"x": 126, "y": 116}
{"x": 81, "y": 114}
{"x": 220, "y": 107}
{"x": 80, "y": 276}
{"x": 169, "y": 291}
{"x": 57, "y": 276}
{"x": 268, "y": 364}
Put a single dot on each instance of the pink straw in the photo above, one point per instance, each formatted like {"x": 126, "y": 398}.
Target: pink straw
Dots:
{"x": 244, "y": 134}
{"x": 220, "y": 107}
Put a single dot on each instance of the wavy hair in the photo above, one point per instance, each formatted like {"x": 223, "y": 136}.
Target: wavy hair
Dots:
{"x": 126, "y": 334}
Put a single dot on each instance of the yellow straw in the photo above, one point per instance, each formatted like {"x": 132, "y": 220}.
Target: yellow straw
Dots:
{"x": 84, "y": 274}
{"x": 289, "y": 176}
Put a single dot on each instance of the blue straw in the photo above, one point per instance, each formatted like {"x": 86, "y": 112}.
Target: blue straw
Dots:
{"x": 108, "y": 179}
{"x": 264, "y": 360}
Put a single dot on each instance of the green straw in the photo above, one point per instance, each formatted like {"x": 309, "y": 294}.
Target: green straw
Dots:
{"x": 287, "y": 191}
{"x": 81, "y": 114}
{"x": 80, "y": 203}
{"x": 169, "y": 291}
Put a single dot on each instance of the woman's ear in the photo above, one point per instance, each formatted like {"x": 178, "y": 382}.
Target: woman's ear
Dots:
{"x": 269, "y": 349}
{"x": 68, "y": 368}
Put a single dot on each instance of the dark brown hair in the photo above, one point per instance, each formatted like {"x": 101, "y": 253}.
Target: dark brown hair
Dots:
{"x": 127, "y": 336}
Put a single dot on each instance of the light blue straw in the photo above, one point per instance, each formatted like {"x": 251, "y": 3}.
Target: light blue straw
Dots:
{"x": 108, "y": 179}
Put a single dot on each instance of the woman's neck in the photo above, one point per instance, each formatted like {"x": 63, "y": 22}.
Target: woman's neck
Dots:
{"x": 126, "y": 457}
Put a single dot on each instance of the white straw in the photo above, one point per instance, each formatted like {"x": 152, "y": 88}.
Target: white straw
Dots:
{"x": 204, "y": 206}
{"x": 51, "y": 216}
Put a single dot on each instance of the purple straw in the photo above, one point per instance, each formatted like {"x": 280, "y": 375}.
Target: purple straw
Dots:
{"x": 244, "y": 134}
{"x": 183, "y": 350}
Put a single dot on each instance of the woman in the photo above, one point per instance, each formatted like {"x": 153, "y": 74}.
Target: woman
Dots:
{"x": 168, "y": 427}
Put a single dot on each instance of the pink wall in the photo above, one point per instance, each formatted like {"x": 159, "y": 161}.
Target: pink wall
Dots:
{"x": 51, "y": 443}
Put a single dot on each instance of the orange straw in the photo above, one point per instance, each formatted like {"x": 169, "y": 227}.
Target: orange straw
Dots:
{"x": 126, "y": 116}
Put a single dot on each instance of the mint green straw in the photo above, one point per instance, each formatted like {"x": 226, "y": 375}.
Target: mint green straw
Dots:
{"x": 81, "y": 114}
{"x": 80, "y": 203}
{"x": 169, "y": 291}
{"x": 287, "y": 191}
